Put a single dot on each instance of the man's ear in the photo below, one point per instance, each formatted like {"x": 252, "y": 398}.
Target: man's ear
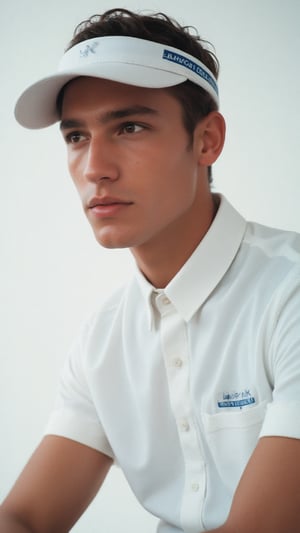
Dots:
{"x": 209, "y": 137}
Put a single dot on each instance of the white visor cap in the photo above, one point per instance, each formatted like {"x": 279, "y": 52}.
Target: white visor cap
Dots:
{"x": 122, "y": 59}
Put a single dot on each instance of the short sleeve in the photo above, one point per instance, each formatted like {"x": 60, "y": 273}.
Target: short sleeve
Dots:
{"x": 283, "y": 413}
{"x": 75, "y": 416}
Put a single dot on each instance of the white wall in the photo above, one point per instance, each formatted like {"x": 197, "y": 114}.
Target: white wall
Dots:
{"x": 53, "y": 273}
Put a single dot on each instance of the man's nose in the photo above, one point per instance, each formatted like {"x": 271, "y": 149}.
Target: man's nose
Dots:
{"x": 100, "y": 162}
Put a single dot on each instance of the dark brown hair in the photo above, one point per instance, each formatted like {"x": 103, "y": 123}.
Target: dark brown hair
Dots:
{"x": 195, "y": 102}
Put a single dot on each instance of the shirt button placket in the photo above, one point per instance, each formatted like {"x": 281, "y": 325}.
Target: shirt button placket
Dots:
{"x": 176, "y": 357}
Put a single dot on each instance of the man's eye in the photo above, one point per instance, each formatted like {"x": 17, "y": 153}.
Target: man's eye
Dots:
{"x": 74, "y": 137}
{"x": 131, "y": 127}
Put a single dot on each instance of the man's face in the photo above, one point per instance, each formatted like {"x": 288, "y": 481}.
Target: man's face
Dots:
{"x": 132, "y": 162}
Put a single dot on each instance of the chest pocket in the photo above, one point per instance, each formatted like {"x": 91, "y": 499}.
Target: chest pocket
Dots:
{"x": 231, "y": 438}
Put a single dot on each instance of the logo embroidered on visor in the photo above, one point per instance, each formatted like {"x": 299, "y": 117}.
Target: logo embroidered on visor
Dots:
{"x": 236, "y": 399}
{"x": 89, "y": 49}
{"x": 191, "y": 65}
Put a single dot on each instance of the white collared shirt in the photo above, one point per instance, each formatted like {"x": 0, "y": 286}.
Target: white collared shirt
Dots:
{"x": 178, "y": 385}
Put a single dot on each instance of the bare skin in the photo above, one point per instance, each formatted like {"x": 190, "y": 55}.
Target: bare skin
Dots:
{"x": 56, "y": 486}
{"x": 267, "y": 499}
{"x": 143, "y": 186}
{"x": 127, "y": 147}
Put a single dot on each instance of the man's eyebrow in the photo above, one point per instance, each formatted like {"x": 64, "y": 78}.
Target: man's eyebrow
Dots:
{"x": 70, "y": 124}
{"x": 126, "y": 112}
{"x": 110, "y": 116}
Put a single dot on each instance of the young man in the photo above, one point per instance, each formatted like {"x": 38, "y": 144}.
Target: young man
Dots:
{"x": 189, "y": 377}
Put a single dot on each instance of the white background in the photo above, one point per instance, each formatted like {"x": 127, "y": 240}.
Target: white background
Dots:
{"x": 53, "y": 272}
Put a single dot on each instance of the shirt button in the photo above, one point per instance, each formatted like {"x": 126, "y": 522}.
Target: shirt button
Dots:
{"x": 178, "y": 362}
{"x": 165, "y": 300}
{"x": 195, "y": 487}
{"x": 184, "y": 425}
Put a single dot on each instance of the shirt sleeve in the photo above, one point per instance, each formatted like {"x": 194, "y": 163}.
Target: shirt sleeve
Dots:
{"x": 283, "y": 413}
{"x": 75, "y": 416}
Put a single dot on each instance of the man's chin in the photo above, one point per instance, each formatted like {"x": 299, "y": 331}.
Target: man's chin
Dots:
{"x": 111, "y": 242}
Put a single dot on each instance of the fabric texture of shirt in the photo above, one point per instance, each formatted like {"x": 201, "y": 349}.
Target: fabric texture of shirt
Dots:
{"x": 177, "y": 385}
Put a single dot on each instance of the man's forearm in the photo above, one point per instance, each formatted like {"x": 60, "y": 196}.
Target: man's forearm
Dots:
{"x": 11, "y": 524}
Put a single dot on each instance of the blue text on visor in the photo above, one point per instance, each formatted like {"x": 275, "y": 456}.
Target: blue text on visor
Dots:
{"x": 185, "y": 62}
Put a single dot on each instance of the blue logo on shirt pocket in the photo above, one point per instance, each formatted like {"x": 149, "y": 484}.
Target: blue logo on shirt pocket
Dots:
{"x": 236, "y": 399}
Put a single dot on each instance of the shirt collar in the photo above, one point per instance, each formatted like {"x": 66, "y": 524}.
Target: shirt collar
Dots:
{"x": 198, "y": 277}
{"x": 148, "y": 292}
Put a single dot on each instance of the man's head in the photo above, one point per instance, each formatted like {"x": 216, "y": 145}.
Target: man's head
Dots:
{"x": 139, "y": 116}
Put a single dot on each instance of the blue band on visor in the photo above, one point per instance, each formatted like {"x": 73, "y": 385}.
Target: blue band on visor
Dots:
{"x": 191, "y": 65}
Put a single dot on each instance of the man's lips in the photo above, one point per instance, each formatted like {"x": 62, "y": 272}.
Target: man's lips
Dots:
{"x": 106, "y": 206}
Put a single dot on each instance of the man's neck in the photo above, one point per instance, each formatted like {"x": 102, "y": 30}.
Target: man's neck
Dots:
{"x": 160, "y": 260}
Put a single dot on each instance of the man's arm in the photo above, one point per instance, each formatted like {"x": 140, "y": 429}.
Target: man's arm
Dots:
{"x": 267, "y": 499}
{"x": 56, "y": 486}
